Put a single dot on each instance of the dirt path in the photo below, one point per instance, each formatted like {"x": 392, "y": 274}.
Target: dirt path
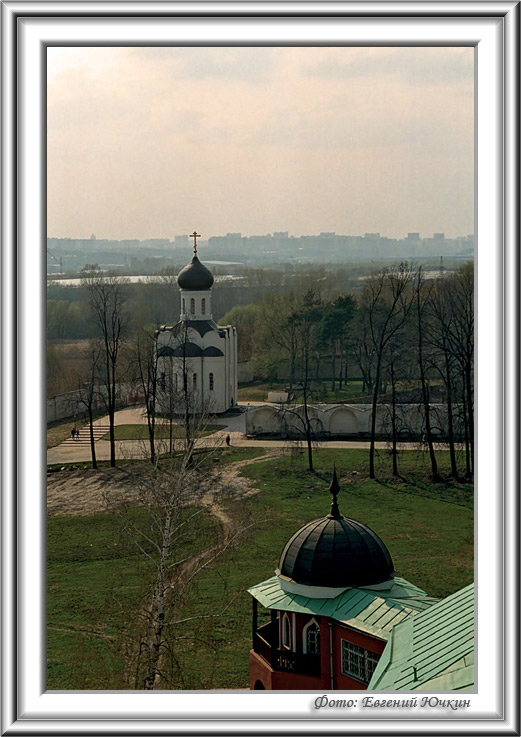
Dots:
{"x": 233, "y": 484}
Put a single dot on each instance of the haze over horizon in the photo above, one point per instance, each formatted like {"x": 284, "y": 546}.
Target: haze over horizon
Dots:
{"x": 152, "y": 142}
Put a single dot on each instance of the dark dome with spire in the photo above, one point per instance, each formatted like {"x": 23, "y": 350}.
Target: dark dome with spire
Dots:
{"x": 195, "y": 276}
{"x": 336, "y": 552}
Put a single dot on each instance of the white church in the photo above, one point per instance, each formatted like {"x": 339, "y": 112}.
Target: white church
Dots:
{"x": 197, "y": 359}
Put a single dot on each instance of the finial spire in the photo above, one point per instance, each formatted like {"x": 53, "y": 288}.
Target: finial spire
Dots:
{"x": 195, "y": 235}
{"x": 334, "y": 489}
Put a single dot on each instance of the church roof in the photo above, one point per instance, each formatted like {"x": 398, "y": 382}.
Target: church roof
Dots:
{"x": 189, "y": 350}
{"x": 195, "y": 276}
{"x": 335, "y": 551}
{"x": 370, "y": 611}
{"x": 202, "y": 326}
{"x": 433, "y": 652}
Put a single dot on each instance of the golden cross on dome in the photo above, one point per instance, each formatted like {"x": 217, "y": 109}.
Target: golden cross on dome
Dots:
{"x": 195, "y": 235}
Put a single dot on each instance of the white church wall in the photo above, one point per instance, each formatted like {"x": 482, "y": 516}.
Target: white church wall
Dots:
{"x": 213, "y": 339}
{"x": 217, "y": 368}
{"x": 196, "y": 305}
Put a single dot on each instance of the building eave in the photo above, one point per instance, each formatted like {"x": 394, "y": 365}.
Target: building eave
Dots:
{"x": 372, "y": 612}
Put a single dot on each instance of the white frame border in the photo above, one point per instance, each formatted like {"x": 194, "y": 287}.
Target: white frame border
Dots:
{"x": 27, "y": 28}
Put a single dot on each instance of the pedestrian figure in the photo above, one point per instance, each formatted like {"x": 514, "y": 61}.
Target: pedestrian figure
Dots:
{"x": 73, "y": 433}
{"x": 228, "y": 441}
{"x": 77, "y": 433}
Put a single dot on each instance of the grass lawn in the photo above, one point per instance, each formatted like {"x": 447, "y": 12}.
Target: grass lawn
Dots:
{"x": 322, "y": 393}
{"x": 96, "y": 581}
{"x": 162, "y": 432}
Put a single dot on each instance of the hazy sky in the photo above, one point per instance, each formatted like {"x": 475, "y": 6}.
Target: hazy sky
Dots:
{"x": 154, "y": 142}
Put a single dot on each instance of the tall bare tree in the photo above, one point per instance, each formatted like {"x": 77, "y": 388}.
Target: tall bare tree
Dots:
{"x": 462, "y": 345}
{"x": 386, "y": 303}
{"x": 106, "y": 300}
{"x": 422, "y": 300}
{"x": 88, "y": 393}
{"x": 304, "y": 323}
{"x": 145, "y": 367}
{"x": 439, "y": 331}
{"x": 167, "y": 493}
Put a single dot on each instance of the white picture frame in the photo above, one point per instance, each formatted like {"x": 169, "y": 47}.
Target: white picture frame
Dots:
{"x": 28, "y": 28}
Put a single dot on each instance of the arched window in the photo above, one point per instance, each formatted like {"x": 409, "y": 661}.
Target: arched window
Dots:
{"x": 192, "y": 306}
{"x": 194, "y": 380}
{"x": 311, "y": 638}
{"x": 203, "y": 306}
{"x": 211, "y": 382}
{"x": 286, "y": 631}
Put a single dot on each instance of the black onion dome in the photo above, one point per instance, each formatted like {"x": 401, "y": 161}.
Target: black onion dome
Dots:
{"x": 337, "y": 552}
{"x": 195, "y": 276}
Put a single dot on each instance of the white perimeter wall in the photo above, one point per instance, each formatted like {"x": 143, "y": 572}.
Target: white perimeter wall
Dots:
{"x": 352, "y": 419}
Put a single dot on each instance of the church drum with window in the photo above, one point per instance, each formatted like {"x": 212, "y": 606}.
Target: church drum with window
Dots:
{"x": 325, "y": 617}
{"x": 197, "y": 359}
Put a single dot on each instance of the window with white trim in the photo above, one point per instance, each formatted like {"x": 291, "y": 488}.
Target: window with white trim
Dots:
{"x": 286, "y": 631}
{"x": 311, "y": 642}
{"x": 358, "y": 662}
{"x": 203, "y": 306}
{"x": 211, "y": 381}
{"x": 192, "y": 306}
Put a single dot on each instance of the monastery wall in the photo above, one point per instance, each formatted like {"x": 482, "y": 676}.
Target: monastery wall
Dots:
{"x": 343, "y": 420}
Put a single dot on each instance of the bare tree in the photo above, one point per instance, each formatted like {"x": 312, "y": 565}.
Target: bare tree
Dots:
{"x": 386, "y": 302}
{"x": 305, "y": 325}
{"x": 396, "y": 369}
{"x": 461, "y": 337}
{"x": 88, "y": 393}
{"x": 439, "y": 331}
{"x": 174, "y": 495}
{"x": 422, "y": 294}
{"x": 363, "y": 348}
{"x": 145, "y": 365}
{"x": 106, "y": 299}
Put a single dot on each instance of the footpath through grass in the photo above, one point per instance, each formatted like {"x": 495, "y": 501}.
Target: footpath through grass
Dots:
{"x": 96, "y": 581}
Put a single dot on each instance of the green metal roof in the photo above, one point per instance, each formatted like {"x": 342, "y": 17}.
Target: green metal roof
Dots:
{"x": 373, "y": 612}
{"x": 434, "y": 650}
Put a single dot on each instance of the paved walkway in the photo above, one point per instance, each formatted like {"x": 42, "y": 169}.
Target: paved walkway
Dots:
{"x": 72, "y": 451}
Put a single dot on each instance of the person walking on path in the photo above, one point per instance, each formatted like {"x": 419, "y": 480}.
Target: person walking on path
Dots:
{"x": 227, "y": 441}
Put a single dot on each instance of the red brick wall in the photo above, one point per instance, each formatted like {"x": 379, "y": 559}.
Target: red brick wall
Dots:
{"x": 372, "y": 644}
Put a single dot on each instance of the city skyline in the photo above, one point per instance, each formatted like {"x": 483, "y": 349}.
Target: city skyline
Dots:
{"x": 146, "y": 142}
